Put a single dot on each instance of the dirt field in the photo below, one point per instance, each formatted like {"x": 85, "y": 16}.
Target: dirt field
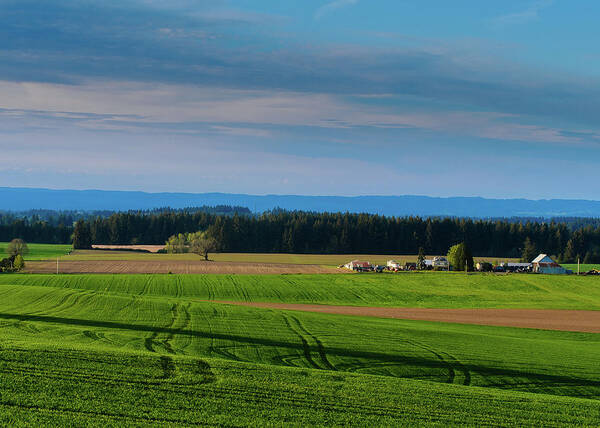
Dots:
{"x": 268, "y": 258}
{"x": 565, "y": 320}
{"x": 173, "y": 266}
{"x": 149, "y": 248}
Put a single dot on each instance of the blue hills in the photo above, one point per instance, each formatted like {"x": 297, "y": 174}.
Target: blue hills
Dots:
{"x": 20, "y": 199}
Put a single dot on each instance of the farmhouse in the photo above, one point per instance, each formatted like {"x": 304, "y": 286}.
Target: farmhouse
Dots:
{"x": 393, "y": 265}
{"x": 544, "y": 264}
{"x": 358, "y": 265}
{"x": 438, "y": 262}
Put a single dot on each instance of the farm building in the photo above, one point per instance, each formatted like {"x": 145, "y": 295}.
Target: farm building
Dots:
{"x": 516, "y": 267}
{"x": 438, "y": 262}
{"x": 544, "y": 264}
{"x": 483, "y": 266}
{"x": 358, "y": 265}
{"x": 393, "y": 265}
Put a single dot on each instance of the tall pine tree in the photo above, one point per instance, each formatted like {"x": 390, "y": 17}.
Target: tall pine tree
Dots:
{"x": 82, "y": 236}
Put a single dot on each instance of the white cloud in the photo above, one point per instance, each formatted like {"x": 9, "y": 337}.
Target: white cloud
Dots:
{"x": 530, "y": 14}
{"x": 333, "y": 6}
{"x": 181, "y": 109}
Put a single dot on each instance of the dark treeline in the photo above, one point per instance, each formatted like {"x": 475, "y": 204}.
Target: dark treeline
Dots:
{"x": 302, "y": 232}
{"x": 56, "y": 218}
{"x": 36, "y": 231}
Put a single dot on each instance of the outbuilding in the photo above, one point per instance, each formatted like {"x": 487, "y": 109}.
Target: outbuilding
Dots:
{"x": 440, "y": 262}
{"x": 393, "y": 265}
{"x": 544, "y": 264}
{"x": 517, "y": 267}
{"x": 358, "y": 265}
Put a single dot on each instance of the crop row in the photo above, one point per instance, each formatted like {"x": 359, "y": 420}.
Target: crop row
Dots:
{"x": 437, "y": 290}
{"x": 563, "y": 363}
{"x": 44, "y": 385}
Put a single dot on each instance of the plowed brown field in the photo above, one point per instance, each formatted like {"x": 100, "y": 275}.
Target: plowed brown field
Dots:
{"x": 173, "y": 266}
{"x": 149, "y": 248}
{"x": 547, "y": 319}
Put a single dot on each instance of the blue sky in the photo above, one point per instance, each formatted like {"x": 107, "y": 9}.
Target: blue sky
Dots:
{"x": 346, "y": 97}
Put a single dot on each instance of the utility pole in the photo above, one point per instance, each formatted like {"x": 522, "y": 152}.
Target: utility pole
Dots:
{"x": 577, "y": 265}
{"x": 57, "y": 265}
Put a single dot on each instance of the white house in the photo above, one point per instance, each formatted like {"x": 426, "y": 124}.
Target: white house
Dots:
{"x": 440, "y": 262}
{"x": 393, "y": 265}
{"x": 544, "y": 264}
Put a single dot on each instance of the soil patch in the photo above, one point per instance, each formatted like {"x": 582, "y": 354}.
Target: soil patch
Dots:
{"x": 546, "y": 319}
{"x": 149, "y": 248}
{"x": 173, "y": 266}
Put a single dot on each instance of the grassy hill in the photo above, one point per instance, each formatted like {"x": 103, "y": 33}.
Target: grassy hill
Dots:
{"x": 46, "y": 385}
{"x": 430, "y": 289}
{"x": 144, "y": 349}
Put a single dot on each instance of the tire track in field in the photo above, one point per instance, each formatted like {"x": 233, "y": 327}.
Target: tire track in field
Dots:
{"x": 305, "y": 345}
{"x": 209, "y": 291}
{"x": 60, "y": 302}
{"x": 465, "y": 371}
{"x": 320, "y": 347}
{"x": 227, "y": 392}
{"x": 179, "y": 286}
{"x": 449, "y": 361}
{"x": 147, "y": 285}
{"x": 180, "y": 314}
{"x": 106, "y": 415}
{"x": 204, "y": 369}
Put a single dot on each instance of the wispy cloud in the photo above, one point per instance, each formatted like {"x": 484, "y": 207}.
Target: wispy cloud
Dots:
{"x": 332, "y": 7}
{"x": 252, "y": 114}
{"x": 530, "y": 14}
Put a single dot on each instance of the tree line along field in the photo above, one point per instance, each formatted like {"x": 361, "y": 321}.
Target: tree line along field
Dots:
{"x": 141, "y": 349}
{"x": 330, "y": 233}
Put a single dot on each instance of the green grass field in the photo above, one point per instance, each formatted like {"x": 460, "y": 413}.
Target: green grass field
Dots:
{"x": 583, "y": 267}
{"x": 41, "y": 251}
{"x": 429, "y": 289}
{"x": 145, "y": 349}
{"x": 49, "y": 386}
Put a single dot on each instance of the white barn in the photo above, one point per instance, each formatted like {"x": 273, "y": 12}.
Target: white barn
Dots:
{"x": 544, "y": 264}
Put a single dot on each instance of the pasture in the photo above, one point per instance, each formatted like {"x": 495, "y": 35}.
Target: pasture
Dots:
{"x": 418, "y": 290}
{"x": 41, "y": 251}
{"x": 583, "y": 267}
{"x": 52, "y": 386}
{"x": 158, "y": 350}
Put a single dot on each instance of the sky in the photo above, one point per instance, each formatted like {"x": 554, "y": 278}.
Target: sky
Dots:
{"x": 497, "y": 99}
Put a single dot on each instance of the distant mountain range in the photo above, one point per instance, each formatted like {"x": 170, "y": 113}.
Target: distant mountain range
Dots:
{"x": 20, "y": 199}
